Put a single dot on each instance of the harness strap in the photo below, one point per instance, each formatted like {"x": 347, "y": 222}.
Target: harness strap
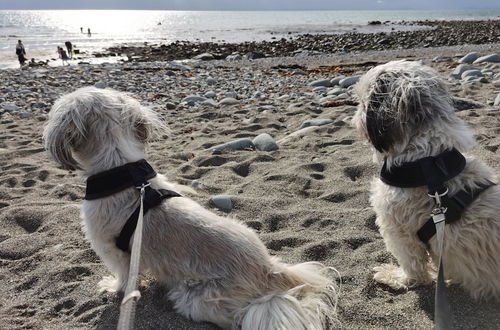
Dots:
{"x": 455, "y": 206}
{"x": 152, "y": 198}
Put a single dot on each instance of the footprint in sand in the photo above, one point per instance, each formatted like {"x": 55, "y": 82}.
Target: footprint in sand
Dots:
{"x": 278, "y": 244}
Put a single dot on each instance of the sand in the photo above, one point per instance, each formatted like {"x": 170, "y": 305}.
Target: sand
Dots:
{"x": 307, "y": 201}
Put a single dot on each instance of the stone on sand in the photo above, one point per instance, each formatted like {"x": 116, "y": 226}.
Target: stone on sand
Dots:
{"x": 316, "y": 122}
{"x": 265, "y": 142}
{"x": 492, "y": 58}
{"x": 469, "y": 58}
{"x": 222, "y": 202}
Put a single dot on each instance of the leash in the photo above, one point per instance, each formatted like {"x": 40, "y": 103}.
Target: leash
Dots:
{"x": 132, "y": 294}
{"x": 442, "y": 310}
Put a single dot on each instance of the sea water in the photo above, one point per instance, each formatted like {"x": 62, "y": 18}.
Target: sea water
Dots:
{"x": 43, "y": 30}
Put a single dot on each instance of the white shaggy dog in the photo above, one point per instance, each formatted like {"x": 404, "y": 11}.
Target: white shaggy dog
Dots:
{"x": 217, "y": 269}
{"x": 406, "y": 113}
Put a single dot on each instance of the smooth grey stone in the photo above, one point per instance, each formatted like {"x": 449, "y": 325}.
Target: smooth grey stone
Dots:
{"x": 284, "y": 97}
{"x": 457, "y": 73}
{"x": 259, "y": 95}
{"x": 254, "y": 55}
{"x": 469, "y": 58}
{"x": 170, "y": 105}
{"x": 321, "y": 82}
{"x": 349, "y": 81}
{"x": 472, "y": 73}
{"x": 335, "y": 81}
{"x": 193, "y": 99}
{"x": 222, "y": 202}
{"x": 209, "y": 94}
{"x": 461, "y": 103}
{"x": 240, "y": 144}
{"x": 210, "y": 103}
{"x": 299, "y": 73}
{"x": 336, "y": 91}
{"x": 316, "y": 122}
{"x": 234, "y": 95}
{"x": 496, "y": 103}
{"x": 204, "y": 57}
{"x": 492, "y": 58}
{"x": 265, "y": 142}
{"x": 228, "y": 101}
{"x": 211, "y": 81}
{"x": 11, "y": 107}
{"x": 496, "y": 83}
{"x": 196, "y": 184}
{"x": 100, "y": 85}
{"x": 234, "y": 58}
{"x": 24, "y": 115}
{"x": 320, "y": 90}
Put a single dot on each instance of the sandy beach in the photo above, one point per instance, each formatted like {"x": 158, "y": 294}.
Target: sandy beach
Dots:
{"x": 307, "y": 200}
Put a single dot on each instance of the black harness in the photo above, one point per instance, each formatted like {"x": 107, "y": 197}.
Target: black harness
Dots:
{"x": 433, "y": 172}
{"x": 136, "y": 174}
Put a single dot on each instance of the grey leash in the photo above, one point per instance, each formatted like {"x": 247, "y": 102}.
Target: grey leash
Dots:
{"x": 442, "y": 310}
{"x": 132, "y": 294}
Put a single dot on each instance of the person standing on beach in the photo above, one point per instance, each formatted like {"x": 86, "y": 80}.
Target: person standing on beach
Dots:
{"x": 69, "y": 47}
{"x": 81, "y": 29}
{"x": 88, "y": 32}
{"x": 21, "y": 53}
{"x": 62, "y": 55}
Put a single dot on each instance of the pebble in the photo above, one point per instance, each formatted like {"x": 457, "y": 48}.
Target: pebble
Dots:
{"x": 240, "y": 144}
{"x": 211, "y": 81}
{"x": 462, "y": 103}
{"x": 204, "y": 57}
{"x": 472, "y": 73}
{"x": 210, "y": 103}
{"x": 336, "y": 91}
{"x": 265, "y": 142}
{"x": 228, "y": 101}
{"x": 234, "y": 58}
{"x": 321, "y": 82}
{"x": 222, "y": 202}
{"x": 192, "y": 99}
{"x": 335, "y": 81}
{"x": 316, "y": 122}
{"x": 196, "y": 184}
{"x": 349, "y": 81}
{"x": 209, "y": 94}
{"x": 492, "y": 58}
{"x": 11, "y": 107}
{"x": 457, "y": 73}
{"x": 170, "y": 105}
{"x": 100, "y": 85}
{"x": 320, "y": 90}
{"x": 469, "y": 58}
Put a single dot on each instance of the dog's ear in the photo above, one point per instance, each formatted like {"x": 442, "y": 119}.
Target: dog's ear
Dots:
{"x": 147, "y": 124}
{"x": 62, "y": 135}
{"x": 382, "y": 125}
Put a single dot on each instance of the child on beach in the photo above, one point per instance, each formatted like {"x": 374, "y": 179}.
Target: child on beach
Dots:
{"x": 20, "y": 52}
{"x": 63, "y": 55}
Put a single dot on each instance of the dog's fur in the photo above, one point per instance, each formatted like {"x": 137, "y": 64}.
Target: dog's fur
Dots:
{"x": 406, "y": 112}
{"x": 216, "y": 268}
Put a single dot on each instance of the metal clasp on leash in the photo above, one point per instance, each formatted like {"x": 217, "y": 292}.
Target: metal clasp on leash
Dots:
{"x": 438, "y": 213}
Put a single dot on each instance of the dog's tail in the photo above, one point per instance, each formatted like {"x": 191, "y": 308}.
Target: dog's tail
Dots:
{"x": 300, "y": 297}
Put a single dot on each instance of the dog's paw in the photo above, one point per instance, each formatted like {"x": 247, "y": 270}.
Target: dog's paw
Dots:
{"x": 109, "y": 284}
{"x": 391, "y": 276}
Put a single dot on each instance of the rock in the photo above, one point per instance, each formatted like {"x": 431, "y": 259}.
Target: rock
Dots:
{"x": 321, "y": 82}
{"x": 240, "y": 144}
{"x": 234, "y": 58}
{"x": 232, "y": 94}
{"x": 100, "y": 85}
{"x": 210, "y": 103}
{"x": 265, "y": 142}
{"x": 462, "y": 103}
{"x": 316, "y": 122}
{"x": 228, "y": 101}
{"x": 258, "y": 95}
{"x": 222, "y": 202}
{"x": 496, "y": 103}
{"x": 204, "y": 57}
{"x": 25, "y": 115}
{"x": 496, "y": 83}
{"x": 336, "y": 91}
{"x": 196, "y": 184}
{"x": 211, "y": 81}
{"x": 319, "y": 90}
{"x": 209, "y": 94}
{"x": 170, "y": 105}
{"x": 174, "y": 66}
{"x": 374, "y": 23}
{"x": 457, "y": 73}
{"x": 472, "y": 73}
{"x": 254, "y": 55}
{"x": 11, "y": 107}
{"x": 492, "y": 58}
{"x": 335, "y": 81}
{"x": 469, "y": 58}
{"x": 299, "y": 73}
{"x": 192, "y": 99}
{"x": 349, "y": 81}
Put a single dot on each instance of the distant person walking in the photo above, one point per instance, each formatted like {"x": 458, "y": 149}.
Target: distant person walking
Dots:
{"x": 81, "y": 29}
{"x": 63, "y": 55}
{"x": 69, "y": 47}
{"x": 20, "y": 52}
{"x": 88, "y": 32}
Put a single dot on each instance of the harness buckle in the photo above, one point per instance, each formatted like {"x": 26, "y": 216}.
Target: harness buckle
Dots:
{"x": 142, "y": 186}
{"x": 437, "y": 196}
